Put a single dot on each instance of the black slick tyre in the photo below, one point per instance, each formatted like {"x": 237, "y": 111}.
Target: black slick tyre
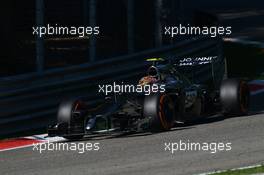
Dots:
{"x": 69, "y": 115}
{"x": 160, "y": 109}
{"x": 234, "y": 96}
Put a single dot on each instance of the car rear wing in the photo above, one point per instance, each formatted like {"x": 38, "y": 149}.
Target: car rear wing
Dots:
{"x": 194, "y": 61}
{"x": 201, "y": 69}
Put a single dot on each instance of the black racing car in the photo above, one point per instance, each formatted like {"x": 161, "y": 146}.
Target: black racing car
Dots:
{"x": 182, "y": 101}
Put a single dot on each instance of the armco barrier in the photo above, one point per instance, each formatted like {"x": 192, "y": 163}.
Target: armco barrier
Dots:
{"x": 29, "y": 102}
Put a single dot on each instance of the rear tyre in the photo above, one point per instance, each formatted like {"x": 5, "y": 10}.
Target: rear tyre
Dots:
{"x": 234, "y": 96}
{"x": 160, "y": 109}
{"x": 69, "y": 115}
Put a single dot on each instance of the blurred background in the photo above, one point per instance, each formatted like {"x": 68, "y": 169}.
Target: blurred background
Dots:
{"x": 126, "y": 26}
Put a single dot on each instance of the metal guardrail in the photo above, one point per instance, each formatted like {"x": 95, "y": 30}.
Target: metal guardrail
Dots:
{"x": 29, "y": 102}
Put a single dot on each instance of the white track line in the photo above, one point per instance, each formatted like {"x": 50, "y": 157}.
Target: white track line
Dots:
{"x": 9, "y": 149}
{"x": 42, "y": 138}
{"x": 234, "y": 169}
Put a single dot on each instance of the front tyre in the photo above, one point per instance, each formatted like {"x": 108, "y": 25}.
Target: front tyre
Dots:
{"x": 234, "y": 96}
{"x": 71, "y": 118}
{"x": 160, "y": 109}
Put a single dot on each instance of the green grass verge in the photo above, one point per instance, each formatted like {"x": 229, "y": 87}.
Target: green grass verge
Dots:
{"x": 248, "y": 171}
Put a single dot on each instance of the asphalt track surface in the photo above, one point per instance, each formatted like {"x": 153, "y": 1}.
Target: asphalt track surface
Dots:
{"x": 145, "y": 153}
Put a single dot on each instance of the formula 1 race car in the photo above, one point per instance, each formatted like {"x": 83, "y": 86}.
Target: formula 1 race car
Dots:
{"x": 179, "y": 101}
